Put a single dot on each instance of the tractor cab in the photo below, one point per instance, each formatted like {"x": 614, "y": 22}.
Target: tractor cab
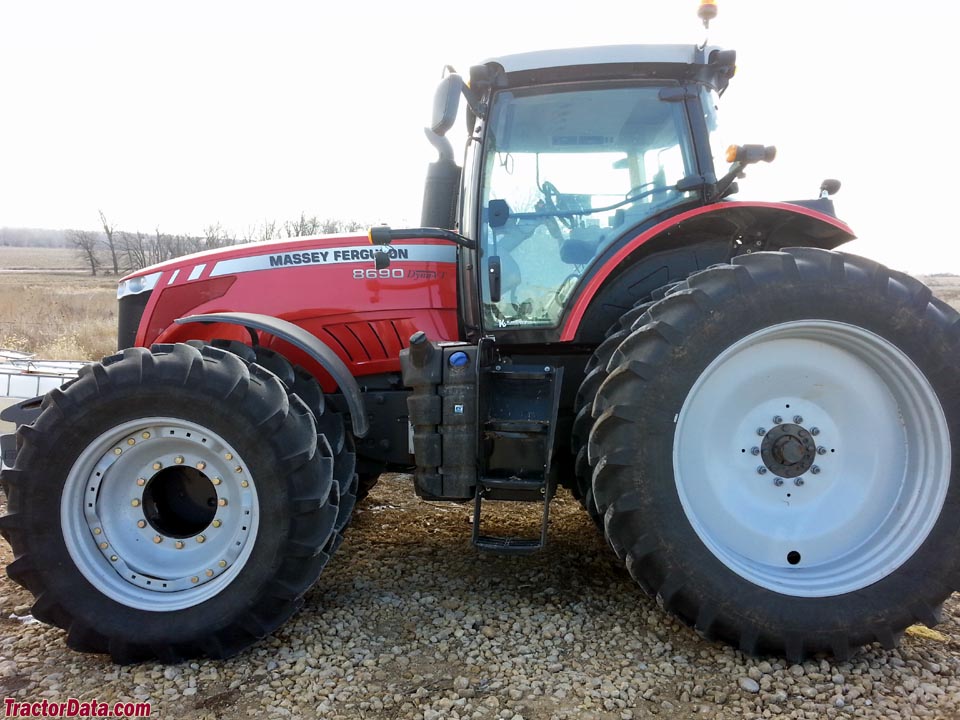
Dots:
{"x": 569, "y": 152}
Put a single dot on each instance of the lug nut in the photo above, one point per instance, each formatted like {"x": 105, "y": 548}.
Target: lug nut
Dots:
{"x": 113, "y": 558}
{"x": 777, "y": 419}
{"x": 222, "y": 563}
{"x": 244, "y": 483}
{"x": 141, "y": 482}
{"x": 754, "y": 451}
{"x": 141, "y": 523}
{"x": 157, "y": 539}
{"x": 178, "y": 544}
{"x": 238, "y": 469}
{"x": 814, "y": 431}
{"x": 201, "y": 538}
{"x": 145, "y": 435}
{"x": 216, "y": 523}
{"x": 201, "y": 465}
{"x": 815, "y": 469}
{"x": 222, "y": 502}
{"x": 761, "y": 431}
{"x": 117, "y": 451}
{"x": 228, "y": 456}
{"x": 131, "y": 441}
{"x": 209, "y": 573}
{"x": 778, "y": 481}
{"x": 194, "y": 579}
{"x": 821, "y": 450}
{"x": 216, "y": 481}
{"x": 157, "y": 466}
{"x": 761, "y": 470}
{"x": 798, "y": 482}
{"x": 97, "y": 531}
{"x": 135, "y": 502}
{"x": 178, "y": 460}
{"x": 798, "y": 419}
{"x": 104, "y": 546}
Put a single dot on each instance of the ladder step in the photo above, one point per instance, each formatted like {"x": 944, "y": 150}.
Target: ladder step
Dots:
{"x": 508, "y": 546}
{"x": 512, "y": 483}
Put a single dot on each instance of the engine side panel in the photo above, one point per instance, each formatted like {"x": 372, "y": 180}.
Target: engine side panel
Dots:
{"x": 327, "y": 286}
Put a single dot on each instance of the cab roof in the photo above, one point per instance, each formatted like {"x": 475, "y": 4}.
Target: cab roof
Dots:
{"x": 601, "y": 55}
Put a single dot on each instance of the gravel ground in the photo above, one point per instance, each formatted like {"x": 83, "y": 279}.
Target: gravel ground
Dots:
{"x": 409, "y": 621}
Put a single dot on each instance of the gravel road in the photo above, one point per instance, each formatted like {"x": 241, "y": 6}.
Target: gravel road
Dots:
{"x": 409, "y": 622}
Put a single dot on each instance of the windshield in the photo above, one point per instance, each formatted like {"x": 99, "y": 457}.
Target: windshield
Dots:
{"x": 566, "y": 171}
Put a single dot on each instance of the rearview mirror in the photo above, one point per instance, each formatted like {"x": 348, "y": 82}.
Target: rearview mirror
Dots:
{"x": 446, "y": 102}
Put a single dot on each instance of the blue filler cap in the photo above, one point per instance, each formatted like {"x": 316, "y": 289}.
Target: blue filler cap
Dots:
{"x": 459, "y": 359}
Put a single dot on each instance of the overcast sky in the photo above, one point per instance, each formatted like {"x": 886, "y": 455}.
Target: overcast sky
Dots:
{"x": 179, "y": 115}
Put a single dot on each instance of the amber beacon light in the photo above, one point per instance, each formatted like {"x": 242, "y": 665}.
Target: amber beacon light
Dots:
{"x": 707, "y": 11}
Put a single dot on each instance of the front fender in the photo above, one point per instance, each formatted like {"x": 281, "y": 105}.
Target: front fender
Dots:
{"x": 301, "y": 339}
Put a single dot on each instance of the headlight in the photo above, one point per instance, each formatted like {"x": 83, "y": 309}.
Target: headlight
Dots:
{"x": 139, "y": 284}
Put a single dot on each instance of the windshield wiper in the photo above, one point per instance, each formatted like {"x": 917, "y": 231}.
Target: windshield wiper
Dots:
{"x": 590, "y": 210}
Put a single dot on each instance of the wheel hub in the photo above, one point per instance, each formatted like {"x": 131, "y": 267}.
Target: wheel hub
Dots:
{"x": 788, "y": 450}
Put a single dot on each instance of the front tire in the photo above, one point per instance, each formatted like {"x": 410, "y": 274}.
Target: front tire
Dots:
{"x": 170, "y": 503}
{"x": 835, "y": 526}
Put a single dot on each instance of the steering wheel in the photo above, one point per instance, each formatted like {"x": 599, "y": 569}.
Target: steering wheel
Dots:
{"x": 554, "y": 202}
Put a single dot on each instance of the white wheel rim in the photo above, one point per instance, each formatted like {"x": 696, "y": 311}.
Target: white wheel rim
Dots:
{"x": 875, "y": 492}
{"x": 128, "y": 539}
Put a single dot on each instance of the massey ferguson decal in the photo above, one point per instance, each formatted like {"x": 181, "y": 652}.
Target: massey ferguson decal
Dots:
{"x": 335, "y": 256}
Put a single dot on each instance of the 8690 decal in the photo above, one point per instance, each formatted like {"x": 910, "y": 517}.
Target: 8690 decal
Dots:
{"x": 374, "y": 274}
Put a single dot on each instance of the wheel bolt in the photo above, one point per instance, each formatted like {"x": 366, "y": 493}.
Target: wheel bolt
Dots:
{"x": 157, "y": 466}
{"x": 778, "y": 481}
{"x": 141, "y": 482}
{"x": 113, "y": 558}
{"x": 104, "y": 546}
{"x": 135, "y": 502}
{"x": 238, "y": 469}
{"x": 194, "y": 579}
{"x": 754, "y": 451}
{"x": 228, "y": 456}
{"x": 145, "y": 435}
{"x": 117, "y": 451}
{"x": 216, "y": 481}
{"x": 814, "y": 431}
{"x": 131, "y": 441}
{"x": 222, "y": 563}
{"x": 178, "y": 460}
{"x": 201, "y": 538}
{"x": 209, "y": 573}
{"x": 201, "y": 465}
{"x": 141, "y": 523}
{"x": 777, "y": 419}
{"x": 244, "y": 483}
{"x": 157, "y": 539}
{"x": 97, "y": 531}
{"x": 222, "y": 502}
{"x": 815, "y": 469}
{"x": 217, "y": 523}
{"x": 761, "y": 431}
{"x": 798, "y": 482}
{"x": 798, "y": 419}
{"x": 821, "y": 450}
{"x": 178, "y": 544}
{"x": 761, "y": 470}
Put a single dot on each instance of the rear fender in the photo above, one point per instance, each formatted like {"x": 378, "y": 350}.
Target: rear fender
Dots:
{"x": 304, "y": 341}
{"x": 687, "y": 242}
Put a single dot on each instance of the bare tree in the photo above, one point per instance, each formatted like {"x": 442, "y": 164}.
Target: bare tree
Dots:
{"x": 86, "y": 243}
{"x": 302, "y": 226}
{"x": 109, "y": 233}
{"x": 214, "y": 236}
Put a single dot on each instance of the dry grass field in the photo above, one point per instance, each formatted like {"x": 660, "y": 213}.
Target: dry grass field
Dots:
{"x": 51, "y": 307}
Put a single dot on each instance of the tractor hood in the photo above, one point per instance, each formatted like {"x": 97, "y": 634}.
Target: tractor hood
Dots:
{"x": 315, "y": 282}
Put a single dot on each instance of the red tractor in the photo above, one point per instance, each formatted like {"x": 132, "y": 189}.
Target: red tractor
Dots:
{"x": 761, "y": 426}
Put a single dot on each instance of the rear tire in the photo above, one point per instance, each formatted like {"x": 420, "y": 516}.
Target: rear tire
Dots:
{"x": 849, "y": 370}
{"x": 169, "y": 503}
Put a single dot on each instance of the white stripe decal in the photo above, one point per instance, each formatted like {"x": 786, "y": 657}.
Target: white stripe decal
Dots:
{"x": 173, "y": 277}
{"x": 196, "y": 272}
{"x": 334, "y": 256}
